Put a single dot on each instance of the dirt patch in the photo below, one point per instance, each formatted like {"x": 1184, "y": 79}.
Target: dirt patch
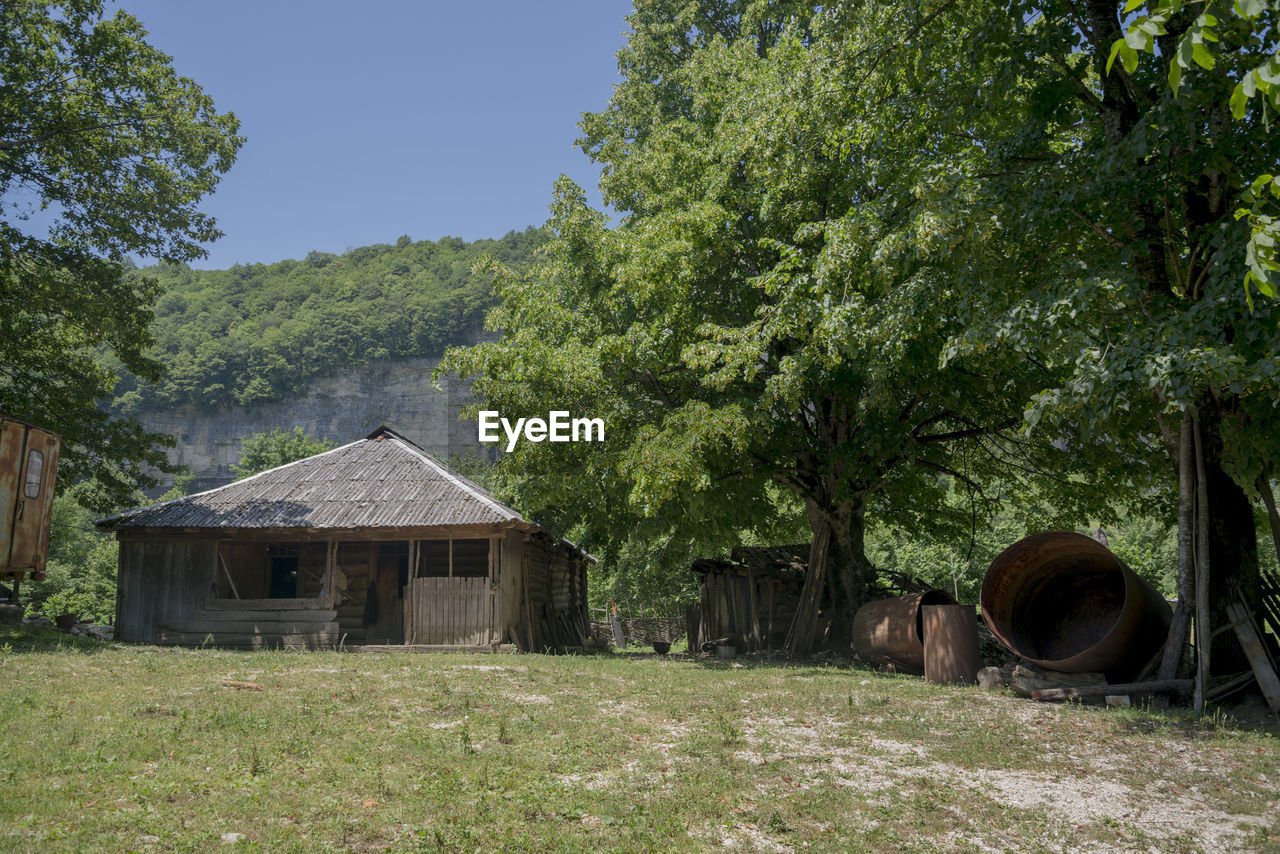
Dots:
{"x": 872, "y": 766}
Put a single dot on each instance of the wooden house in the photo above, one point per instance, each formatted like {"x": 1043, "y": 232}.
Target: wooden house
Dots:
{"x": 372, "y": 543}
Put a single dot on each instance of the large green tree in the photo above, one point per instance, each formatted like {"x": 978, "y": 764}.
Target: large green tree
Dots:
{"x": 260, "y": 332}
{"x": 263, "y": 451}
{"x": 1114, "y": 197}
{"x": 105, "y": 153}
{"x": 777, "y": 305}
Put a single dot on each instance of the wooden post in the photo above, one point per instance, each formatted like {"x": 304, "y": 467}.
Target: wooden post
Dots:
{"x": 1273, "y": 517}
{"x": 1204, "y": 636}
{"x": 493, "y": 589}
{"x": 773, "y": 584}
{"x": 752, "y": 597}
{"x": 326, "y": 580}
{"x": 525, "y": 560}
{"x": 1186, "y": 563}
{"x": 1247, "y": 634}
{"x": 804, "y": 626}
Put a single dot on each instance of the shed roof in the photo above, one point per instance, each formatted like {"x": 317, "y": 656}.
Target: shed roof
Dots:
{"x": 383, "y": 480}
{"x": 762, "y": 560}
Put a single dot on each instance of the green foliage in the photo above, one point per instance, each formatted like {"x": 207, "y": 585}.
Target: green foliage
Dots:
{"x": 1255, "y": 22}
{"x": 259, "y": 332}
{"x": 1097, "y": 222}
{"x": 263, "y": 451}
{"x": 80, "y": 575}
{"x": 775, "y": 309}
{"x": 114, "y": 150}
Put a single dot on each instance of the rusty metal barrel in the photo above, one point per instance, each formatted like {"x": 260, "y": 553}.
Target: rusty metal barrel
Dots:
{"x": 1065, "y": 602}
{"x": 891, "y": 631}
{"x": 950, "y": 644}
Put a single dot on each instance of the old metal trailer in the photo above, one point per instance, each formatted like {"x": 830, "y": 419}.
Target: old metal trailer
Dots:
{"x": 28, "y": 465}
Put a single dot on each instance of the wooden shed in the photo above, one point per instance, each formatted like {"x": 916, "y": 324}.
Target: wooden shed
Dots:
{"x": 750, "y": 599}
{"x": 372, "y": 543}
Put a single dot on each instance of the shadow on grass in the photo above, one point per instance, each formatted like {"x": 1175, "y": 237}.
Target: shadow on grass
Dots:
{"x": 15, "y": 637}
{"x": 1143, "y": 718}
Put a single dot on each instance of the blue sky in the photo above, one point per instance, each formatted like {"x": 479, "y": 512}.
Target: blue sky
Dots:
{"x": 369, "y": 120}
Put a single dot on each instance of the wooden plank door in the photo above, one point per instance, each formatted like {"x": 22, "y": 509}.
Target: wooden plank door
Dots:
{"x": 449, "y": 611}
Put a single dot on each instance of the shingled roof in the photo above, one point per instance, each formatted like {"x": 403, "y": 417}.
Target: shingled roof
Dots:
{"x": 380, "y": 481}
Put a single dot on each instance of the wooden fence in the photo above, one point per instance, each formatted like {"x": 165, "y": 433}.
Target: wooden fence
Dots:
{"x": 448, "y": 611}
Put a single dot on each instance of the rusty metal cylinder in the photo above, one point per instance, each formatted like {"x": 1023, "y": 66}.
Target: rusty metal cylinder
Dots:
{"x": 950, "y": 644}
{"x": 891, "y": 631}
{"x": 1066, "y": 603}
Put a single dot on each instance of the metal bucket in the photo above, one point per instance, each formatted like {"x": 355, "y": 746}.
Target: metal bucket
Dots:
{"x": 891, "y": 631}
{"x": 1065, "y": 602}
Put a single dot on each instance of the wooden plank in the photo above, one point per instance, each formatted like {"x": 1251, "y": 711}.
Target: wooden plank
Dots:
{"x": 427, "y": 648}
{"x": 222, "y": 561}
{"x": 525, "y": 563}
{"x": 440, "y": 611}
{"x": 413, "y": 598}
{"x": 773, "y": 584}
{"x": 1092, "y": 692}
{"x": 286, "y": 615}
{"x": 1203, "y": 632}
{"x": 494, "y": 576}
{"x": 254, "y": 641}
{"x": 262, "y": 604}
{"x": 447, "y": 612}
{"x": 250, "y": 626}
{"x": 1256, "y": 653}
{"x": 418, "y": 617}
{"x": 424, "y": 615}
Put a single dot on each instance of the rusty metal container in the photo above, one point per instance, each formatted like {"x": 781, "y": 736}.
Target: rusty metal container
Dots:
{"x": 1065, "y": 602}
{"x": 950, "y": 644}
{"x": 891, "y": 631}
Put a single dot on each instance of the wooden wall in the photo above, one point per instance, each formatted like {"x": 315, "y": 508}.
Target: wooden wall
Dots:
{"x": 540, "y": 601}
{"x": 555, "y": 596}
{"x": 753, "y": 611}
{"x": 356, "y": 561}
{"x": 512, "y": 627}
{"x": 161, "y": 580}
{"x": 247, "y": 565}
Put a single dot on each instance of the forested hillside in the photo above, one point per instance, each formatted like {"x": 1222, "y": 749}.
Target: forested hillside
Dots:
{"x": 258, "y": 332}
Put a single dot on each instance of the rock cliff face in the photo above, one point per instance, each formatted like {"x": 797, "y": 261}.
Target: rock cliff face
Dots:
{"x": 342, "y": 408}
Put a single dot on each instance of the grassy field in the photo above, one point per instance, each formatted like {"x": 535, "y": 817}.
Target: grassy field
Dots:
{"x": 116, "y": 747}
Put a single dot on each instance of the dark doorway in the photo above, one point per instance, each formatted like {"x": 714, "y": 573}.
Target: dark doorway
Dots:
{"x": 284, "y": 577}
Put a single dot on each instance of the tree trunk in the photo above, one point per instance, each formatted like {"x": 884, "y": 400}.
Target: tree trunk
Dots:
{"x": 1233, "y": 543}
{"x": 848, "y": 575}
{"x": 837, "y": 577}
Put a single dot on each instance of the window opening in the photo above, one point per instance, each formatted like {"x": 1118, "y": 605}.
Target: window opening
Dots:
{"x": 35, "y": 468}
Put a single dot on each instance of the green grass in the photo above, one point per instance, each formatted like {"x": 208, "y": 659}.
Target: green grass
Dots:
{"x": 118, "y": 747}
